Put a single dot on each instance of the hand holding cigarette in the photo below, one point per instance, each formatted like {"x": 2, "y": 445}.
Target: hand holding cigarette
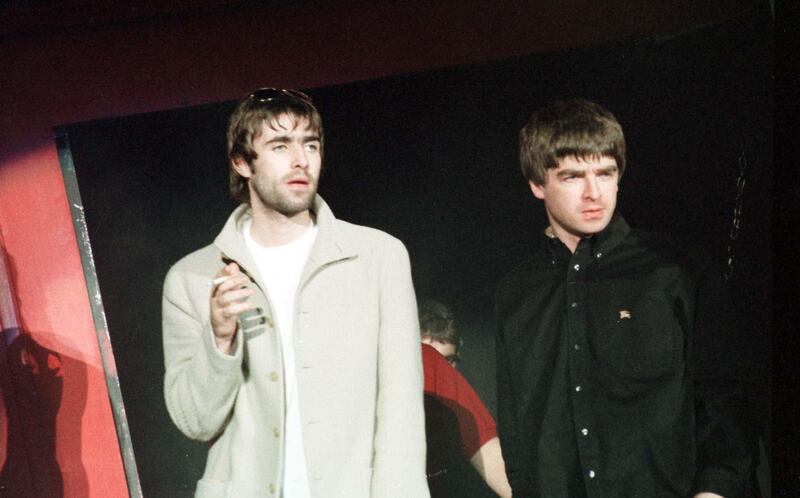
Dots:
{"x": 229, "y": 297}
{"x": 219, "y": 280}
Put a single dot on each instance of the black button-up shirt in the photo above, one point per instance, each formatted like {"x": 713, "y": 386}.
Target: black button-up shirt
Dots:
{"x": 617, "y": 372}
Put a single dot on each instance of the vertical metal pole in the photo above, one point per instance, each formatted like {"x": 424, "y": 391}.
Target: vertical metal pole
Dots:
{"x": 98, "y": 312}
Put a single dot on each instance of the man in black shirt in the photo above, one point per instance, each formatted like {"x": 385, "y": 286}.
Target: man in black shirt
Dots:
{"x": 616, "y": 351}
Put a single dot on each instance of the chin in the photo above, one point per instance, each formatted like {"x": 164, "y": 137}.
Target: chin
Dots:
{"x": 599, "y": 227}
{"x": 298, "y": 206}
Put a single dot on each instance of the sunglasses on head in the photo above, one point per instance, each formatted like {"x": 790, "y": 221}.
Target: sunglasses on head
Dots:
{"x": 269, "y": 95}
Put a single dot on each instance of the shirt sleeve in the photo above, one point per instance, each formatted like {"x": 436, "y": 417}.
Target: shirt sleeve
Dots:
{"x": 506, "y": 416}
{"x": 475, "y": 423}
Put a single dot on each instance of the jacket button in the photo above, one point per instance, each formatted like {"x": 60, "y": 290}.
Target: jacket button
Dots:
{"x": 273, "y": 376}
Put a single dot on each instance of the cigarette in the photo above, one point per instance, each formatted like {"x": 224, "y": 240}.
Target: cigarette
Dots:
{"x": 219, "y": 280}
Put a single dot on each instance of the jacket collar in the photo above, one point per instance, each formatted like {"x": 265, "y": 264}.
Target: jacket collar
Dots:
{"x": 330, "y": 245}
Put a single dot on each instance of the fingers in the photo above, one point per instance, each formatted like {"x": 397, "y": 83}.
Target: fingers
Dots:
{"x": 230, "y": 277}
{"x": 225, "y": 298}
{"x": 232, "y": 309}
{"x": 232, "y": 301}
{"x": 229, "y": 298}
{"x": 230, "y": 284}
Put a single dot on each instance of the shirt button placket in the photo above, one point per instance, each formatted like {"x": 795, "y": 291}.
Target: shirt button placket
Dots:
{"x": 582, "y": 416}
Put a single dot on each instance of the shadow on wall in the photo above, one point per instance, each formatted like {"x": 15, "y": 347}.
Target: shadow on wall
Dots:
{"x": 33, "y": 380}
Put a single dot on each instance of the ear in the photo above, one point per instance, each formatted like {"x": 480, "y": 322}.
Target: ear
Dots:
{"x": 538, "y": 190}
{"x": 241, "y": 167}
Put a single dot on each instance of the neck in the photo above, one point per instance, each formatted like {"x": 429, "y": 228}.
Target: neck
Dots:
{"x": 271, "y": 228}
{"x": 568, "y": 239}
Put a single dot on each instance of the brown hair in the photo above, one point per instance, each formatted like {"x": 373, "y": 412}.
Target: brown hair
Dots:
{"x": 571, "y": 128}
{"x": 437, "y": 322}
{"x": 245, "y": 125}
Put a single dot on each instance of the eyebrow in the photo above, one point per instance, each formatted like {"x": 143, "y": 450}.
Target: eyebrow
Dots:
{"x": 580, "y": 173}
{"x": 608, "y": 169}
{"x": 571, "y": 172}
{"x": 283, "y": 139}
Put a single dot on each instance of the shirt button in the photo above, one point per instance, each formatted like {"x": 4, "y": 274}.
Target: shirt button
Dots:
{"x": 577, "y": 347}
{"x": 599, "y": 254}
{"x": 578, "y": 389}
{"x": 577, "y": 267}
{"x": 273, "y": 376}
{"x": 573, "y": 305}
{"x": 276, "y": 432}
{"x": 591, "y": 474}
{"x": 585, "y": 431}
{"x": 270, "y": 323}
{"x": 271, "y": 488}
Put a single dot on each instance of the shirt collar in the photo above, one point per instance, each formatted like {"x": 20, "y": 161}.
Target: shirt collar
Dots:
{"x": 595, "y": 246}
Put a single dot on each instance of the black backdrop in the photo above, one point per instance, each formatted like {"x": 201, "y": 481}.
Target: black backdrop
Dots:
{"x": 431, "y": 159}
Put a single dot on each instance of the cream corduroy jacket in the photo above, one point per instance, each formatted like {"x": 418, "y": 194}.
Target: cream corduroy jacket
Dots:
{"x": 359, "y": 371}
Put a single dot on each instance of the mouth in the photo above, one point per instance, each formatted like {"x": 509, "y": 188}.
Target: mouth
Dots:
{"x": 593, "y": 213}
{"x": 299, "y": 182}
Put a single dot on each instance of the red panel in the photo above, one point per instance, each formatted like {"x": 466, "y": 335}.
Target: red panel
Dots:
{"x": 58, "y": 380}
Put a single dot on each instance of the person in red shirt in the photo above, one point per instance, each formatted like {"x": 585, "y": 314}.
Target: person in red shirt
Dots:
{"x": 459, "y": 428}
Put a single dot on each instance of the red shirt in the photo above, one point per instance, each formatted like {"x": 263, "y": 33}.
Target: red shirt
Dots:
{"x": 453, "y": 410}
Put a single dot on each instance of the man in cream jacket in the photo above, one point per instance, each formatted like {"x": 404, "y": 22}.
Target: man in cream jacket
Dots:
{"x": 291, "y": 342}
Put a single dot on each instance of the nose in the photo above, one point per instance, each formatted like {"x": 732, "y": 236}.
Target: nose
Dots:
{"x": 299, "y": 159}
{"x": 591, "y": 190}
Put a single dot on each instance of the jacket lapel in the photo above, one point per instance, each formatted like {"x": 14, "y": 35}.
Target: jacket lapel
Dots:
{"x": 331, "y": 245}
{"x": 232, "y": 246}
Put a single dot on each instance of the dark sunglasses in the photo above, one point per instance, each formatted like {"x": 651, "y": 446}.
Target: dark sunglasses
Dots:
{"x": 269, "y": 95}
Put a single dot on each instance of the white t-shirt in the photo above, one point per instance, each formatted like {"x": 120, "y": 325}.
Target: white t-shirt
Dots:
{"x": 281, "y": 268}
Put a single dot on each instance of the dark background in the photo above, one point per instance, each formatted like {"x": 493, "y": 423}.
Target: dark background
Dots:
{"x": 431, "y": 159}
